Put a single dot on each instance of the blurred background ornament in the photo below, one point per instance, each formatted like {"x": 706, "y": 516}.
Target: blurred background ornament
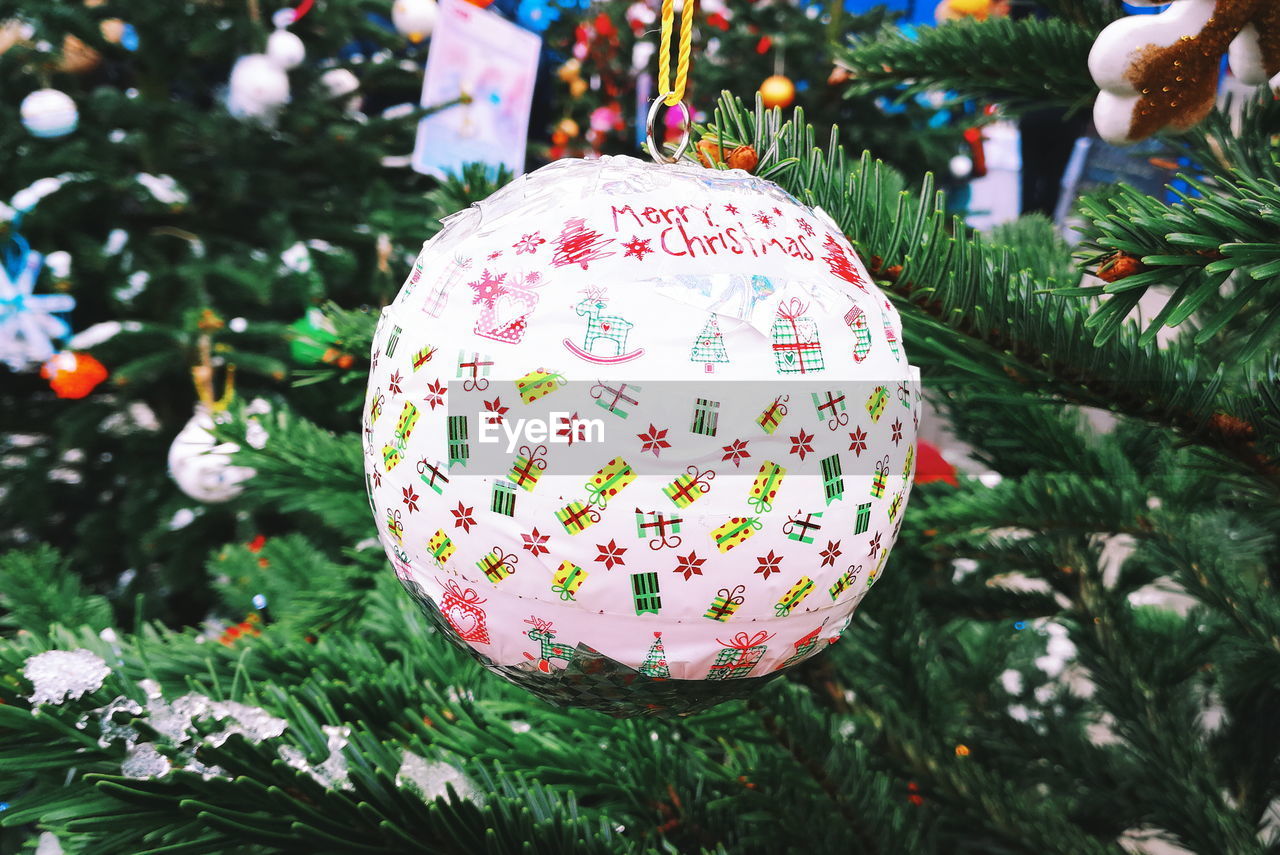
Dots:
{"x": 49, "y": 113}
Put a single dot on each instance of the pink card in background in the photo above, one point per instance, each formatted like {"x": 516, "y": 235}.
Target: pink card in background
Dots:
{"x": 493, "y": 60}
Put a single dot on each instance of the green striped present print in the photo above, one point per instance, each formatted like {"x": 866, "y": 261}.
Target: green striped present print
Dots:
{"x": 644, "y": 590}
{"x": 706, "y": 417}
{"x": 832, "y": 478}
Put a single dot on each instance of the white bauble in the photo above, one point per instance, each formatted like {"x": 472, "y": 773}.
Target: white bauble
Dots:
{"x": 201, "y": 466}
{"x": 49, "y": 113}
{"x": 341, "y": 82}
{"x": 414, "y": 19}
{"x": 285, "y": 49}
{"x": 961, "y": 166}
{"x": 258, "y": 87}
{"x": 754, "y": 449}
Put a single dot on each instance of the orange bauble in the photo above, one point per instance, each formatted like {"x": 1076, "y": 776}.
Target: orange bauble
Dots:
{"x": 777, "y": 91}
{"x": 73, "y": 375}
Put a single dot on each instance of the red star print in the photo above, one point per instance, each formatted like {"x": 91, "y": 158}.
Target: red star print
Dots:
{"x": 435, "y": 394}
{"x": 769, "y": 564}
{"x": 736, "y": 452}
{"x": 462, "y": 517}
{"x": 802, "y": 443}
{"x": 637, "y": 248}
{"x": 731, "y": 209}
{"x": 690, "y": 565}
{"x": 495, "y": 407}
{"x": 654, "y": 440}
{"x": 897, "y": 431}
{"x": 393, "y": 385}
{"x": 858, "y": 442}
{"x": 610, "y": 554}
{"x": 764, "y": 219}
{"x": 410, "y": 498}
{"x": 831, "y": 553}
{"x": 572, "y": 429}
{"x": 533, "y": 542}
{"x": 875, "y": 545}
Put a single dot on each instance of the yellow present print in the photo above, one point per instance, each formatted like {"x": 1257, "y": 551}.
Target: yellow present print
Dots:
{"x": 764, "y": 489}
{"x": 736, "y": 531}
{"x": 441, "y": 547}
{"x": 608, "y": 480}
{"x": 567, "y": 579}
{"x": 877, "y": 401}
{"x": 538, "y": 384}
{"x": 794, "y": 596}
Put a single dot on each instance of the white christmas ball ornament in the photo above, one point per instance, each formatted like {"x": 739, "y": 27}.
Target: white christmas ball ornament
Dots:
{"x": 706, "y": 438}
{"x": 258, "y": 87}
{"x": 285, "y": 49}
{"x": 201, "y": 466}
{"x": 49, "y": 113}
{"x": 414, "y": 19}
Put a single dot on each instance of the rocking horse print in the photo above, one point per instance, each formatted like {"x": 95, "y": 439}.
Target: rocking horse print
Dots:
{"x": 605, "y": 341}
{"x": 544, "y": 633}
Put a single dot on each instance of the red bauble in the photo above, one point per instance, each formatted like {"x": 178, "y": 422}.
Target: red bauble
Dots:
{"x": 73, "y": 375}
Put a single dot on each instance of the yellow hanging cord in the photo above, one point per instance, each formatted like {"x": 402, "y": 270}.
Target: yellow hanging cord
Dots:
{"x": 676, "y": 95}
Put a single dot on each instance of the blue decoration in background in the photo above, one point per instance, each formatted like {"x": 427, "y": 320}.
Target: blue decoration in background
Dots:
{"x": 29, "y": 322}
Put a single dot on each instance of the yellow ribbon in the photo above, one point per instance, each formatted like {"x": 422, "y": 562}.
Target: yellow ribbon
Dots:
{"x": 674, "y": 96}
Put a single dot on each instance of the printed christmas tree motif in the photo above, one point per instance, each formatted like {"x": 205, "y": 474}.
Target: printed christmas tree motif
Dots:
{"x": 544, "y": 633}
{"x": 579, "y": 245}
{"x": 655, "y": 662}
{"x": 708, "y": 347}
{"x": 505, "y": 305}
{"x": 839, "y": 263}
{"x": 605, "y": 340}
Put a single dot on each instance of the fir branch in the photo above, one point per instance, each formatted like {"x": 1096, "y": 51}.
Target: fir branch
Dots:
{"x": 984, "y": 61}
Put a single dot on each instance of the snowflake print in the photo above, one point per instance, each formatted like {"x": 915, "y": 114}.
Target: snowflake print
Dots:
{"x": 831, "y": 553}
{"x": 497, "y": 253}
{"x": 610, "y": 554}
{"x": 736, "y": 452}
{"x": 897, "y": 431}
{"x": 764, "y": 219}
{"x": 654, "y": 440}
{"x": 533, "y": 542}
{"x": 731, "y": 209}
{"x": 462, "y": 517}
{"x": 858, "y": 442}
{"x": 637, "y": 248}
{"x": 435, "y": 394}
{"x": 805, "y": 227}
{"x": 528, "y": 244}
{"x": 875, "y": 545}
{"x": 769, "y": 564}
{"x": 488, "y": 288}
{"x": 690, "y": 565}
{"x": 410, "y": 498}
{"x": 495, "y": 407}
{"x": 393, "y": 385}
{"x": 802, "y": 443}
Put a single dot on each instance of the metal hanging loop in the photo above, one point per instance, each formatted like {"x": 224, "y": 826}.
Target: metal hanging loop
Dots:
{"x": 655, "y": 150}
